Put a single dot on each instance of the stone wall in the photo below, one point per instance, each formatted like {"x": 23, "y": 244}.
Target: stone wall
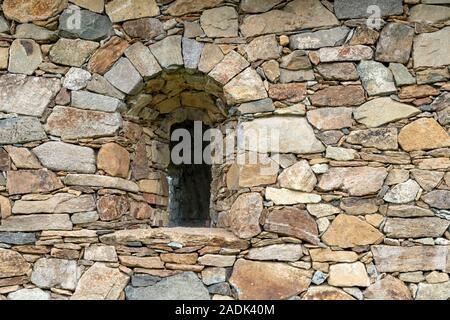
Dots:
{"x": 357, "y": 207}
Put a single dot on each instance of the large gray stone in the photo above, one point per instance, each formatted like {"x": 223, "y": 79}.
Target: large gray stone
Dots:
{"x": 280, "y": 135}
{"x": 99, "y": 84}
{"x": 351, "y": 9}
{"x": 265, "y": 105}
{"x": 395, "y": 43}
{"x": 124, "y": 76}
{"x": 71, "y": 123}
{"x": 184, "y": 286}
{"x": 25, "y": 56}
{"x": 51, "y": 273}
{"x": 345, "y": 53}
{"x": 437, "y": 291}
{"x": 376, "y": 78}
{"x": 401, "y": 74}
{"x": 192, "y": 51}
{"x": 431, "y": 49}
{"x": 319, "y": 39}
{"x": 245, "y": 87}
{"x": 59, "y": 203}
{"x": 17, "y": 238}
{"x": 60, "y": 156}
{"x": 21, "y": 130}
{"x": 93, "y": 101}
{"x": 263, "y": 48}
{"x": 29, "y": 294}
{"x": 88, "y": 26}
{"x": 277, "y": 252}
{"x": 415, "y": 228}
{"x": 168, "y": 52}
{"x": 27, "y": 95}
{"x": 220, "y": 22}
{"x": 403, "y": 193}
{"x": 38, "y": 222}
{"x": 76, "y": 79}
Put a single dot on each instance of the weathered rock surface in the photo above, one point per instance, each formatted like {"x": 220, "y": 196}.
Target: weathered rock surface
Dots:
{"x": 294, "y": 16}
{"x": 282, "y": 136}
{"x": 220, "y": 22}
{"x": 380, "y": 111}
{"x": 267, "y": 281}
{"x": 395, "y": 43}
{"x": 59, "y": 203}
{"x": 327, "y": 255}
{"x": 351, "y": 9}
{"x": 38, "y": 222}
{"x": 25, "y": 56}
{"x": 100, "y": 181}
{"x": 376, "y": 78}
{"x": 276, "y": 252}
{"x": 349, "y": 231}
{"x": 114, "y": 160}
{"x": 12, "y": 264}
{"x": 348, "y": 275}
{"x": 423, "y": 134}
{"x": 21, "y": 130}
{"x": 438, "y": 199}
{"x": 92, "y": 26}
{"x": 100, "y": 282}
{"x": 298, "y": 177}
{"x": 29, "y": 294}
{"x": 415, "y": 228}
{"x": 326, "y": 293}
{"x": 319, "y": 39}
{"x": 330, "y": 118}
{"x": 388, "y": 288}
{"x": 27, "y": 95}
{"x": 383, "y": 138}
{"x": 292, "y": 222}
{"x": 17, "y": 238}
{"x": 403, "y": 193}
{"x": 439, "y": 291}
{"x": 184, "y": 286}
{"x": 430, "y": 49}
{"x": 61, "y": 156}
{"x": 72, "y": 53}
{"x": 71, "y": 123}
{"x": 33, "y": 10}
{"x": 356, "y": 181}
{"x": 339, "y": 96}
{"x": 245, "y": 87}
{"x": 119, "y": 11}
{"x": 345, "y": 53}
{"x": 32, "y": 181}
{"x": 245, "y": 214}
{"x": 290, "y": 197}
{"x": 50, "y": 273}
{"x": 407, "y": 259}
{"x": 92, "y": 101}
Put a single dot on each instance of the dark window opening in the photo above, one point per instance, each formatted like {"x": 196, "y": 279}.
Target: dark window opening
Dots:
{"x": 189, "y": 183}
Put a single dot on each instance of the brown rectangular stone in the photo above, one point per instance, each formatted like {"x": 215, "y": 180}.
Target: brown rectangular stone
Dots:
{"x": 291, "y": 92}
{"x": 32, "y": 181}
{"x": 189, "y": 258}
{"x": 406, "y": 259}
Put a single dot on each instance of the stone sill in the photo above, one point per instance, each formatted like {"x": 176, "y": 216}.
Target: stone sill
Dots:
{"x": 187, "y": 237}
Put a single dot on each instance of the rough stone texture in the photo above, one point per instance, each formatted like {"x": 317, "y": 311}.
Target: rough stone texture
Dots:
{"x": 124, "y": 76}
{"x": 294, "y": 16}
{"x": 100, "y": 282}
{"x": 114, "y": 160}
{"x": 356, "y": 181}
{"x": 39, "y": 222}
{"x": 49, "y": 273}
{"x": 345, "y": 53}
{"x": 403, "y": 193}
{"x": 112, "y": 207}
{"x": 263, "y": 48}
{"x": 388, "y": 288}
{"x": 319, "y": 39}
{"x": 247, "y": 86}
{"x": 326, "y": 293}
{"x": 71, "y": 123}
{"x": 349, "y": 231}
{"x": 339, "y": 96}
{"x": 33, "y": 10}
{"x": 298, "y": 177}
{"x": 423, "y": 134}
{"x": 96, "y": 102}
{"x": 376, "y": 78}
{"x": 32, "y": 181}
{"x": 277, "y": 252}
{"x": 349, "y": 275}
{"x": 401, "y": 74}
{"x": 24, "y": 56}
{"x": 383, "y": 139}
{"x": 338, "y": 71}
{"x": 267, "y": 281}
{"x": 59, "y": 203}
{"x": 438, "y": 199}
{"x": 100, "y": 181}
{"x": 284, "y": 138}
{"x": 245, "y": 214}
{"x": 415, "y": 228}
{"x": 12, "y": 264}
{"x": 17, "y": 238}
{"x": 407, "y": 259}
{"x": 168, "y": 52}
{"x": 220, "y": 22}
{"x": 440, "y": 291}
{"x": 380, "y": 111}
{"x": 143, "y": 60}
{"x": 92, "y": 26}
{"x": 231, "y": 65}
{"x": 292, "y": 222}
{"x": 290, "y": 197}
{"x": 76, "y": 79}
{"x": 184, "y": 286}
{"x": 430, "y": 49}
{"x": 395, "y": 43}
{"x": 351, "y": 9}
{"x": 27, "y": 95}
{"x": 61, "y": 156}
{"x": 29, "y": 294}
{"x": 119, "y": 11}
{"x": 72, "y": 53}
{"x": 424, "y": 13}
{"x": 330, "y": 118}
